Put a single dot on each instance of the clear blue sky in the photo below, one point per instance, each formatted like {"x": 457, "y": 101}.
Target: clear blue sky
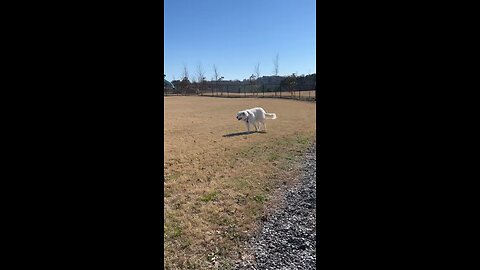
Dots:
{"x": 237, "y": 34}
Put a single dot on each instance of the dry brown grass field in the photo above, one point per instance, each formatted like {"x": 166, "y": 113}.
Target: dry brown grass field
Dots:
{"x": 219, "y": 181}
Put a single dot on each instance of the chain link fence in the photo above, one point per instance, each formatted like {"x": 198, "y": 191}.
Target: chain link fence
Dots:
{"x": 303, "y": 92}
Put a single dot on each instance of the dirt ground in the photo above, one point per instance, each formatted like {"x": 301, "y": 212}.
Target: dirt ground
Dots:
{"x": 218, "y": 180}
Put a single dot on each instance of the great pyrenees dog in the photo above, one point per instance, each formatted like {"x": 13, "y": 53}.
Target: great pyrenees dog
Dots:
{"x": 255, "y": 117}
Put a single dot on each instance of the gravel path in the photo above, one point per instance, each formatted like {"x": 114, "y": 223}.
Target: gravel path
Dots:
{"x": 288, "y": 236}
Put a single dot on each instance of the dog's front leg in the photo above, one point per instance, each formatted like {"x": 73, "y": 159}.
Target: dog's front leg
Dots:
{"x": 248, "y": 126}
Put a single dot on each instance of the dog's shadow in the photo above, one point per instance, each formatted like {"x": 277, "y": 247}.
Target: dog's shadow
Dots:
{"x": 242, "y": 133}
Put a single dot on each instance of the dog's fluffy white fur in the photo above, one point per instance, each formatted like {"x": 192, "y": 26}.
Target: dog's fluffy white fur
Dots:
{"x": 255, "y": 117}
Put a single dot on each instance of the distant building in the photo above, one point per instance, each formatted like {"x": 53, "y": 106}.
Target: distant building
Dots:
{"x": 167, "y": 85}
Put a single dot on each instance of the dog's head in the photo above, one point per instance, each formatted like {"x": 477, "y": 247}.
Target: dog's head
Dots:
{"x": 242, "y": 115}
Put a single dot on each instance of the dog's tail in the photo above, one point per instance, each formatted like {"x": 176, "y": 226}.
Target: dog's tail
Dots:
{"x": 270, "y": 116}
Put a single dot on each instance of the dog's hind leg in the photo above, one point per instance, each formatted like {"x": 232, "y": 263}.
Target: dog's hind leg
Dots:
{"x": 264, "y": 126}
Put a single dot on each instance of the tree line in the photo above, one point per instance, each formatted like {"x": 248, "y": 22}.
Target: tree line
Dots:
{"x": 190, "y": 83}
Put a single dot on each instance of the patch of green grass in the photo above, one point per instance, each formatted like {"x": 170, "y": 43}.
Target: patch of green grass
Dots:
{"x": 209, "y": 197}
{"x": 260, "y": 198}
{"x": 177, "y": 231}
{"x": 303, "y": 140}
{"x": 172, "y": 177}
{"x": 290, "y": 156}
{"x": 172, "y": 231}
{"x": 272, "y": 156}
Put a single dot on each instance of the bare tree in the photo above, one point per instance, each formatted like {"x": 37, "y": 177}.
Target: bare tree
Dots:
{"x": 200, "y": 73}
{"x": 275, "y": 65}
{"x": 257, "y": 70}
{"x": 216, "y": 76}
{"x": 185, "y": 72}
{"x": 200, "y": 76}
{"x": 257, "y": 73}
{"x": 184, "y": 81}
{"x": 215, "y": 72}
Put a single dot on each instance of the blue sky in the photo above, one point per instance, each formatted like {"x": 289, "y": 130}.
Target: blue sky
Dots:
{"x": 237, "y": 34}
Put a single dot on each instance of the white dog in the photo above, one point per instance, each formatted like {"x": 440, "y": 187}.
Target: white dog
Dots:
{"x": 255, "y": 116}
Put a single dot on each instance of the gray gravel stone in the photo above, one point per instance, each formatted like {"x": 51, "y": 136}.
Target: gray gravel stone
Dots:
{"x": 288, "y": 237}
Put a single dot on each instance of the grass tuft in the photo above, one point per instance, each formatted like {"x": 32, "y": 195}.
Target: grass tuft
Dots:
{"x": 260, "y": 198}
{"x": 209, "y": 197}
